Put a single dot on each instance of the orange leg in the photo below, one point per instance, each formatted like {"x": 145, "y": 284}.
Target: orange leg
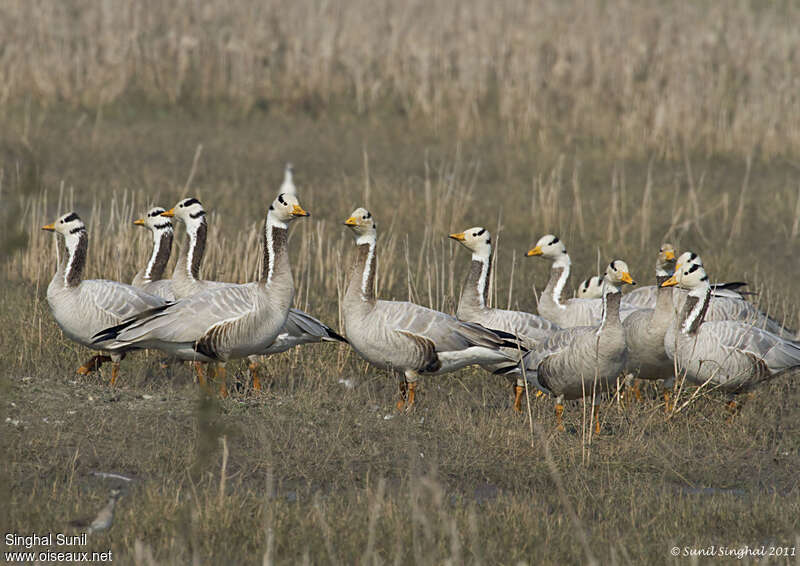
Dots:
{"x": 93, "y": 364}
{"x": 518, "y": 391}
{"x": 559, "y": 417}
{"x": 667, "y": 401}
{"x": 222, "y": 374}
{"x": 596, "y": 419}
{"x": 253, "y": 367}
{"x": 636, "y": 391}
{"x": 411, "y": 388}
{"x": 403, "y": 395}
{"x": 201, "y": 377}
{"x": 114, "y": 373}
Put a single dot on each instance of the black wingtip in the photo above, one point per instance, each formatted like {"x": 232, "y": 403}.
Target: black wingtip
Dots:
{"x": 335, "y": 336}
{"x": 505, "y": 370}
{"x": 113, "y": 331}
{"x": 509, "y": 340}
{"x": 731, "y": 286}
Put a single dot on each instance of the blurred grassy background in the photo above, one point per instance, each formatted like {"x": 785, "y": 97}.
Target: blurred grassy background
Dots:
{"x": 616, "y": 125}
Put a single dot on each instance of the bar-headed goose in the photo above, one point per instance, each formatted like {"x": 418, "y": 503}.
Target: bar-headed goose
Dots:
{"x": 728, "y": 354}
{"x": 82, "y": 307}
{"x": 572, "y": 312}
{"x": 472, "y": 306}
{"x": 567, "y": 364}
{"x": 300, "y": 328}
{"x": 150, "y": 278}
{"x": 729, "y": 305}
{"x": 403, "y": 337}
{"x": 223, "y": 323}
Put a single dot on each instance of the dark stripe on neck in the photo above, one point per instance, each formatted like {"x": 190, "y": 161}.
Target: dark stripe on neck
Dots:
{"x": 76, "y": 261}
{"x": 272, "y": 253}
{"x": 365, "y": 260}
{"x": 478, "y": 281}
{"x": 199, "y": 249}
{"x": 197, "y": 214}
{"x": 162, "y": 250}
{"x": 78, "y": 229}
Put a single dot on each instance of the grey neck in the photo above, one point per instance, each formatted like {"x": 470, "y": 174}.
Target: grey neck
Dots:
{"x": 162, "y": 248}
{"x": 476, "y": 287}
{"x": 555, "y": 286}
{"x": 611, "y": 300}
{"x": 75, "y": 259}
{"x": 276, "y": 261}
{"x": 191, "y": 257}
{"x": 362, "y": 278}
{"x": 694, "y": 311}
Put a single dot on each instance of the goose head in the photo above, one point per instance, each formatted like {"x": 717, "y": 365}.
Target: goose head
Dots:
{"x": 363, "y": 226}
{"x": 617, "y": 273}
{"x": 687, "y": 258}
{"x": 284, "y": 209}
{"x": 477, "y": 240}
{"x": 70, "y": 226}
{"x": 690, "y": 276}
{"x": 189, "y": 211}
{"x": 552, "y": 248}
{"x": 592, "y": 288}
{"x": 154, "y": 220}
{"x": 665, "y": 263}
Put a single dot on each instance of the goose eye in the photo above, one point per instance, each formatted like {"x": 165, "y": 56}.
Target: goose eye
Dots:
{"x": 364, "y": 217}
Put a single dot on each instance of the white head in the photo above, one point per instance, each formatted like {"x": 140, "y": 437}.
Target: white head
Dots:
{"x": 287, "y": 187}
{"x": 155, "y": 221}
{"x": 69, "y": 225}
{"x": 284, "y": 209}
{"x": 688, "y": 258}
{"x": 691, "y": 276}
{"x": 477, "y": 240}
{"x": 552, "y": 248}
{"x": 592, "y": 288}
{"x": 188, "y": 211}
{"x": 363, "y": 225}
{"x": 618, "y": 273}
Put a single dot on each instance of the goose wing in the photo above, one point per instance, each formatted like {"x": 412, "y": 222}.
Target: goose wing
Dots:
{"x": 302, "y": 328}
{"x": 530, "y": 327}
{"x": 641, "y": 298}
{"x": 118, "y": 300}
{"x": 187, "y": 320}
{"x": 446, "y": 332}
{"x": 777, "y": 353}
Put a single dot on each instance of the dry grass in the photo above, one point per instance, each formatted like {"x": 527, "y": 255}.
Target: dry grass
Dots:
{"x": 644, "y": 76}
{"x": 315, "y": 472}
